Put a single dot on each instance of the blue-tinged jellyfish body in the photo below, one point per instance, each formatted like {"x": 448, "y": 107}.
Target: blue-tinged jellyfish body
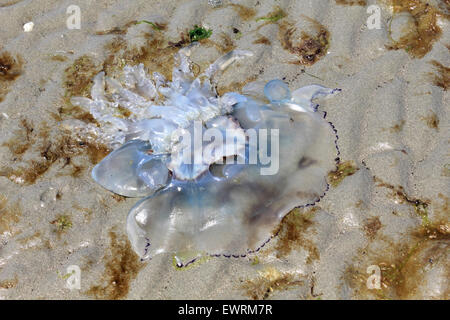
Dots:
{"x": 234, "y": 208}
{"x": 232, "y": 201}
{"x": 132, "y": 170}
{"x": 277, "y": 91}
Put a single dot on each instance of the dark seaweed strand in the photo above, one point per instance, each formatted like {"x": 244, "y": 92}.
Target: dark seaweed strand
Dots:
{"x": 184, "y": 265}
{"x": 337, "y": 160}
{"x": 147, "y": 246}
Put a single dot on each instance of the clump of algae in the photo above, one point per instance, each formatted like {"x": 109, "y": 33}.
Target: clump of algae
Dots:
{"x": 199, "y": 33}
{"x": 62, "y": 223}
{"x": 343, "y": 170}
{"x": 270, "y": 280}
{"x": 276, "y": 15}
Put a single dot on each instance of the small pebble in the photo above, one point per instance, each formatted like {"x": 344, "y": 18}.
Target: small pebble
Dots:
{"x": 28, "y": 27}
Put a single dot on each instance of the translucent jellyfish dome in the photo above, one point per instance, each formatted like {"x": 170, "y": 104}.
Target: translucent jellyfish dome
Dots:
{"x": 216, "y": 173}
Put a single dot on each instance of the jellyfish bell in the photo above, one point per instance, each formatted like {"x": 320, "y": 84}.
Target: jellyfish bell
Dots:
{"x": 278, "y": 158}
{"x": 236, "y": 215}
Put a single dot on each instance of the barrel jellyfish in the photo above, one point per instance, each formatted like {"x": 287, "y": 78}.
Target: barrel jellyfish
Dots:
{"x": 230, "y": 200}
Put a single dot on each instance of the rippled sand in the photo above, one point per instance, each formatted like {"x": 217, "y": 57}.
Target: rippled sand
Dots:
{"x": 387, "y": 208}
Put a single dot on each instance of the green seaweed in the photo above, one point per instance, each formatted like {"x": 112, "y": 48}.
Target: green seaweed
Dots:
{"x": 62, "y": 223}
{"x": 65, "y": 276}
{"x": 199, "y": 33}
{"x": 421, "y": 209}
{"x": 255, "y": 261}
{"x": 274, "y": 17}
{"x": 154, "y": 25}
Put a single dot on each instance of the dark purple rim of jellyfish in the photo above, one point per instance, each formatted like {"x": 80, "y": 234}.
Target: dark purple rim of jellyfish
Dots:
{"x": 249, "y": 252}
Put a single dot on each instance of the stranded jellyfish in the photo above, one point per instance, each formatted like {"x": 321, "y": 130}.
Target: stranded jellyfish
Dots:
{"x": 216, "y": 173}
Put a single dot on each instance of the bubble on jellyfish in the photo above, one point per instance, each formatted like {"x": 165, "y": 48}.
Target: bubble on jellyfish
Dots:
{"x": 231, "y": 200}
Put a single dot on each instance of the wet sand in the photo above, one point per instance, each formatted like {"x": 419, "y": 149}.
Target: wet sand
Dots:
{"x": 387, "y": 206}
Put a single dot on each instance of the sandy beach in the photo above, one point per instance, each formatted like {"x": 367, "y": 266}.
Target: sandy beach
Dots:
{"x": 381, "y": 231}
